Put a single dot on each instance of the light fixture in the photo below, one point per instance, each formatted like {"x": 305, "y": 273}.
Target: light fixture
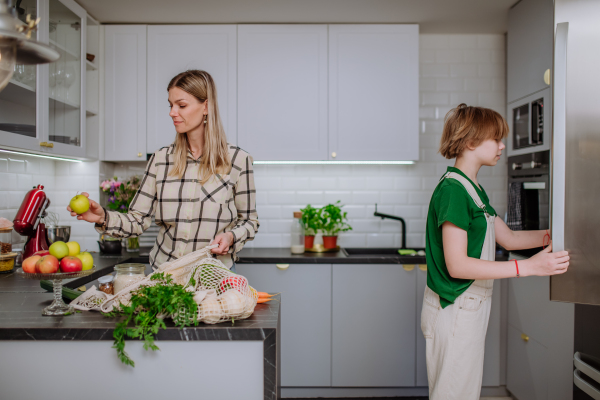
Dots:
{"x": 40, "y": 156}
{"x": 16, "y": 45}
{"x": 334, "y": 162}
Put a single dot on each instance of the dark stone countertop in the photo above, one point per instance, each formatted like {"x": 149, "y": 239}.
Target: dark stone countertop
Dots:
{"x": 22, "y": 300}
{"x": 284, "y": 255}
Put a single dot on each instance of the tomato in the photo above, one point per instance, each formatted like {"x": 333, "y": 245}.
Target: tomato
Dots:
{"x": 237, "y": 282}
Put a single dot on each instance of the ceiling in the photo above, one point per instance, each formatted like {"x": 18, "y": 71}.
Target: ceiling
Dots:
{"x": 433, "y": 16}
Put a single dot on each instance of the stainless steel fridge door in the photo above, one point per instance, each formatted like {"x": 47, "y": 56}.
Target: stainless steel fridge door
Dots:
{"x": 575, "y": 220}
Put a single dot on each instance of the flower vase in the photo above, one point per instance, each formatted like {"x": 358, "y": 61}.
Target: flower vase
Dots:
{"x": 132, "y": 244}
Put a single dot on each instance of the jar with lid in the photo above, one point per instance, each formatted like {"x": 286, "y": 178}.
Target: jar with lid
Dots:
{"x": 6, "y": 240}
{"x": 297, "y": 234}
{"x": 7, "y": 262}
{"x": 105, "y": 284}
{"x": 128, "y": 274}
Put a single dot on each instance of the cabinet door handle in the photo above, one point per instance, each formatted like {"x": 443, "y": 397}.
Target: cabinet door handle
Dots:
{"x": 334, "y": 154}
{"x": 282, "y": 266}
{"x": 408, "y": 267}
{"x": 423, "y": 267}
{"x": 547, "y": 77}
{"x": 139, "y": 154}
{"x": 46, "y": 144}
{"x": 525, "y": 337}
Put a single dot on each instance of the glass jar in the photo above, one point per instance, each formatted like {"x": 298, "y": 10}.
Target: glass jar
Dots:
{"x": 297, "y": 234}
{"x": 105, "y": 284}
{"x": 7, "y": 262}
{"x": 132, "y": 244}
{"x": 6, "y": 240}
{"x": 128, "y": 274}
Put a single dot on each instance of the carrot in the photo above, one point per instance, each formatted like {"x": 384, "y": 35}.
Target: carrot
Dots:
{"x": 263, "y": 300}
{"x": 264, "y": 295}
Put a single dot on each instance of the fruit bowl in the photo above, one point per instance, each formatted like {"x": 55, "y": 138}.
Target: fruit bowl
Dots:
{"x": 58, "y": 306}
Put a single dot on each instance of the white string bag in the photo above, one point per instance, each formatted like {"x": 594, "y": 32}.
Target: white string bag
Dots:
{"x": 220, "y": 294}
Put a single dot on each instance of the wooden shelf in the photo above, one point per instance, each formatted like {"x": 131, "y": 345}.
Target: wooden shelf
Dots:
{"x": 90, "y": 66}
{"x": 19, "y": 93}
{"x": 70, "y": 56}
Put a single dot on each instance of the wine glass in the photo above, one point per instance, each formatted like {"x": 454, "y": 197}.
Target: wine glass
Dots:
{"x": 70, "y": 77}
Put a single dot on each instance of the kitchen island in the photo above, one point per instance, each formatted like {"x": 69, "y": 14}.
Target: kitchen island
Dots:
{"x": 71, "y": 356}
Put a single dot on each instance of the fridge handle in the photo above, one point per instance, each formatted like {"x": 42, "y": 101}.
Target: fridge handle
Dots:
{"x": 586, "y": 387}
{"x": 586, "y": 368}
{"x": 559, "y": 137}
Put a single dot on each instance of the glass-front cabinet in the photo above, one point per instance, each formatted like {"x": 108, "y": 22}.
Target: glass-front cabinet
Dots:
{"x": 43, "y": 107}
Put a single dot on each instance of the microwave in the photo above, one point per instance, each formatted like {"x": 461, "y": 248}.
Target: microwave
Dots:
{"x": 530, "y": 123}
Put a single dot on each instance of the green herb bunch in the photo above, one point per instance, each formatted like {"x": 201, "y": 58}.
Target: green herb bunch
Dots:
{"x": 146, "y": 310}
{"x": 333, "y": 219}
{"x": 311, "y": 220}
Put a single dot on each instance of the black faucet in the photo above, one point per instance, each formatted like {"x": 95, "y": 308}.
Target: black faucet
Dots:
{"x": 378, "y": 214}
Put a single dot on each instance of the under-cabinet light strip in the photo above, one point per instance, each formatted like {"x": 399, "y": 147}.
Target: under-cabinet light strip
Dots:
{"x": 335, "y": 162}
{"x": 39, "y": 155}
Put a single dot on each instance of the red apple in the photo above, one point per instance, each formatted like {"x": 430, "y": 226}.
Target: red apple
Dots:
{"x": 70, "y": 264}
{"x": 29, "y": 264}
{"x": 47, "y": 265}
{"x": 41, "y": 253}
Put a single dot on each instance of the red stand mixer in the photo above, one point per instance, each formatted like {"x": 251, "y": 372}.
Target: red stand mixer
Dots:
{"x": 28, "y": 221}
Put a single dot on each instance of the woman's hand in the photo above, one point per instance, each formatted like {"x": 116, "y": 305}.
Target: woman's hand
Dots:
{"x": 94, "y": 214}
{"x": 546, "y": 263}
{"x": 224, "y": 240}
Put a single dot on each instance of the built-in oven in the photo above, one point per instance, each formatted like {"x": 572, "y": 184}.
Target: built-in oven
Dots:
{"x": 528, "y": 205}
{"x": 530, "y": 124}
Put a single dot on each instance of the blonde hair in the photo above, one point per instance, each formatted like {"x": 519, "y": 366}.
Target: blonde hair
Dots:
{"x": 215, "y": 153}
{"x": 465, "y": 125}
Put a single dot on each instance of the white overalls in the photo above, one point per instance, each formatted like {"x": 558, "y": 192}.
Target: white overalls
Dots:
{"x": 455, "y": 335}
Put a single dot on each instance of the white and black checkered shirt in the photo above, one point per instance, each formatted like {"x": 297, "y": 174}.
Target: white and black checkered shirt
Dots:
{"x": 189, "y": 214}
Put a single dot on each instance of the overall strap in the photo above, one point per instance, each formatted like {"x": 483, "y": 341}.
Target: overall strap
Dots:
{"x": 470, "y": 189}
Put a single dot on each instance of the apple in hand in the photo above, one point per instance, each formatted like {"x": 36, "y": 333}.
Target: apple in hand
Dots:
{"x": 29, "y": 264}
{"x": 59, "y": 249}
{"x": 79, "y": 204}
{"x": 47, "y": 265}
{"x": 87, "y": 260}
{"x": 70, "y": 264}
{"x": 74, "y": 248}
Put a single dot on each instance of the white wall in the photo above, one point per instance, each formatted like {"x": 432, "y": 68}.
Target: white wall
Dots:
{"x": 453, "y": 69}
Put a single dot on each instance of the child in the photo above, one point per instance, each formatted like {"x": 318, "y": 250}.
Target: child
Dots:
{"x": 462, "y": 231}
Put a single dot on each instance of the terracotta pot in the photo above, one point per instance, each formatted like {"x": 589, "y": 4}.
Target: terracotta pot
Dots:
{"x": 330, "y": 242}
{"x": 309, "y": 242}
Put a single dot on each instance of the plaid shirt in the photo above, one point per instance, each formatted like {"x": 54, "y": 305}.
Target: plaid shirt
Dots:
{"x": 189, "y": 214}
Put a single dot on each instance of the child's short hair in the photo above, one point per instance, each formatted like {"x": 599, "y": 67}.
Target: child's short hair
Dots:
{"x": 470, "y": 125}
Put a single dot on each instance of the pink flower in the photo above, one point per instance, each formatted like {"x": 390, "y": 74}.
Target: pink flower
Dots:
{"x": 117, "y": 184}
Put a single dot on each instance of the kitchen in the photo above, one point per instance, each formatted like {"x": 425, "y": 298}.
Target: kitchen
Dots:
{"x": 304, "y": 153}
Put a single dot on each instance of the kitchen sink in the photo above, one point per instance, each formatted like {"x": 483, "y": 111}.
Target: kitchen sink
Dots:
{"x": 375, "y": 252}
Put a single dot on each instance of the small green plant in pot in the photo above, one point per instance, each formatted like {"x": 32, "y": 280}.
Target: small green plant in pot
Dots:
{"x": 333, "y": 221}
{"x": 312, "y": 223}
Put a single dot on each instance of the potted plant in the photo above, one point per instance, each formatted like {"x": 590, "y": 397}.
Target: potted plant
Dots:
{"x": 312, "y": 223}
{"x": 120, "y": 195}
{"x": 333, "y": 221}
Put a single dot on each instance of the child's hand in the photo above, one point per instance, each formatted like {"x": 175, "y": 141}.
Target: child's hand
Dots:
{"x": 546, "y": 263}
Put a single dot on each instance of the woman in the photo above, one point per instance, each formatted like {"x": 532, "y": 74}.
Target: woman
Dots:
{"x": 200, "y": 189}
{"x": 461, "y": 235}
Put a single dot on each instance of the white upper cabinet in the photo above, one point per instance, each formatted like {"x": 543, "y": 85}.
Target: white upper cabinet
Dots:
{"x": 529, "y": 44}
{"x": 373, "y": 92}
{"x": 282, "y": 91}
{"x": 125, "y": 93}
{"x": 176, "y": 48}
{"x": 43, "y": 107}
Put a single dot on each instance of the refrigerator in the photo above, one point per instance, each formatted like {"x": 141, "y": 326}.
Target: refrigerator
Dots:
{"x": 575, "y": 199}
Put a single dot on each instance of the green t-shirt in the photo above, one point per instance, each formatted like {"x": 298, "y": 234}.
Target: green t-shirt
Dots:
{"x": 451, "y": 202}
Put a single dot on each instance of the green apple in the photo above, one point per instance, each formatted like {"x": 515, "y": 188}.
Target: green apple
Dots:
{"x": 79, "y": 204}
{"x": 59, "y": 249}
{"x": 86, "y": 260}
{"x": 74, "y": 248}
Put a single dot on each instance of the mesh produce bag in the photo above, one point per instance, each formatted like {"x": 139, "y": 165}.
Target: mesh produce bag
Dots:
{"x": 220, "y": 294}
